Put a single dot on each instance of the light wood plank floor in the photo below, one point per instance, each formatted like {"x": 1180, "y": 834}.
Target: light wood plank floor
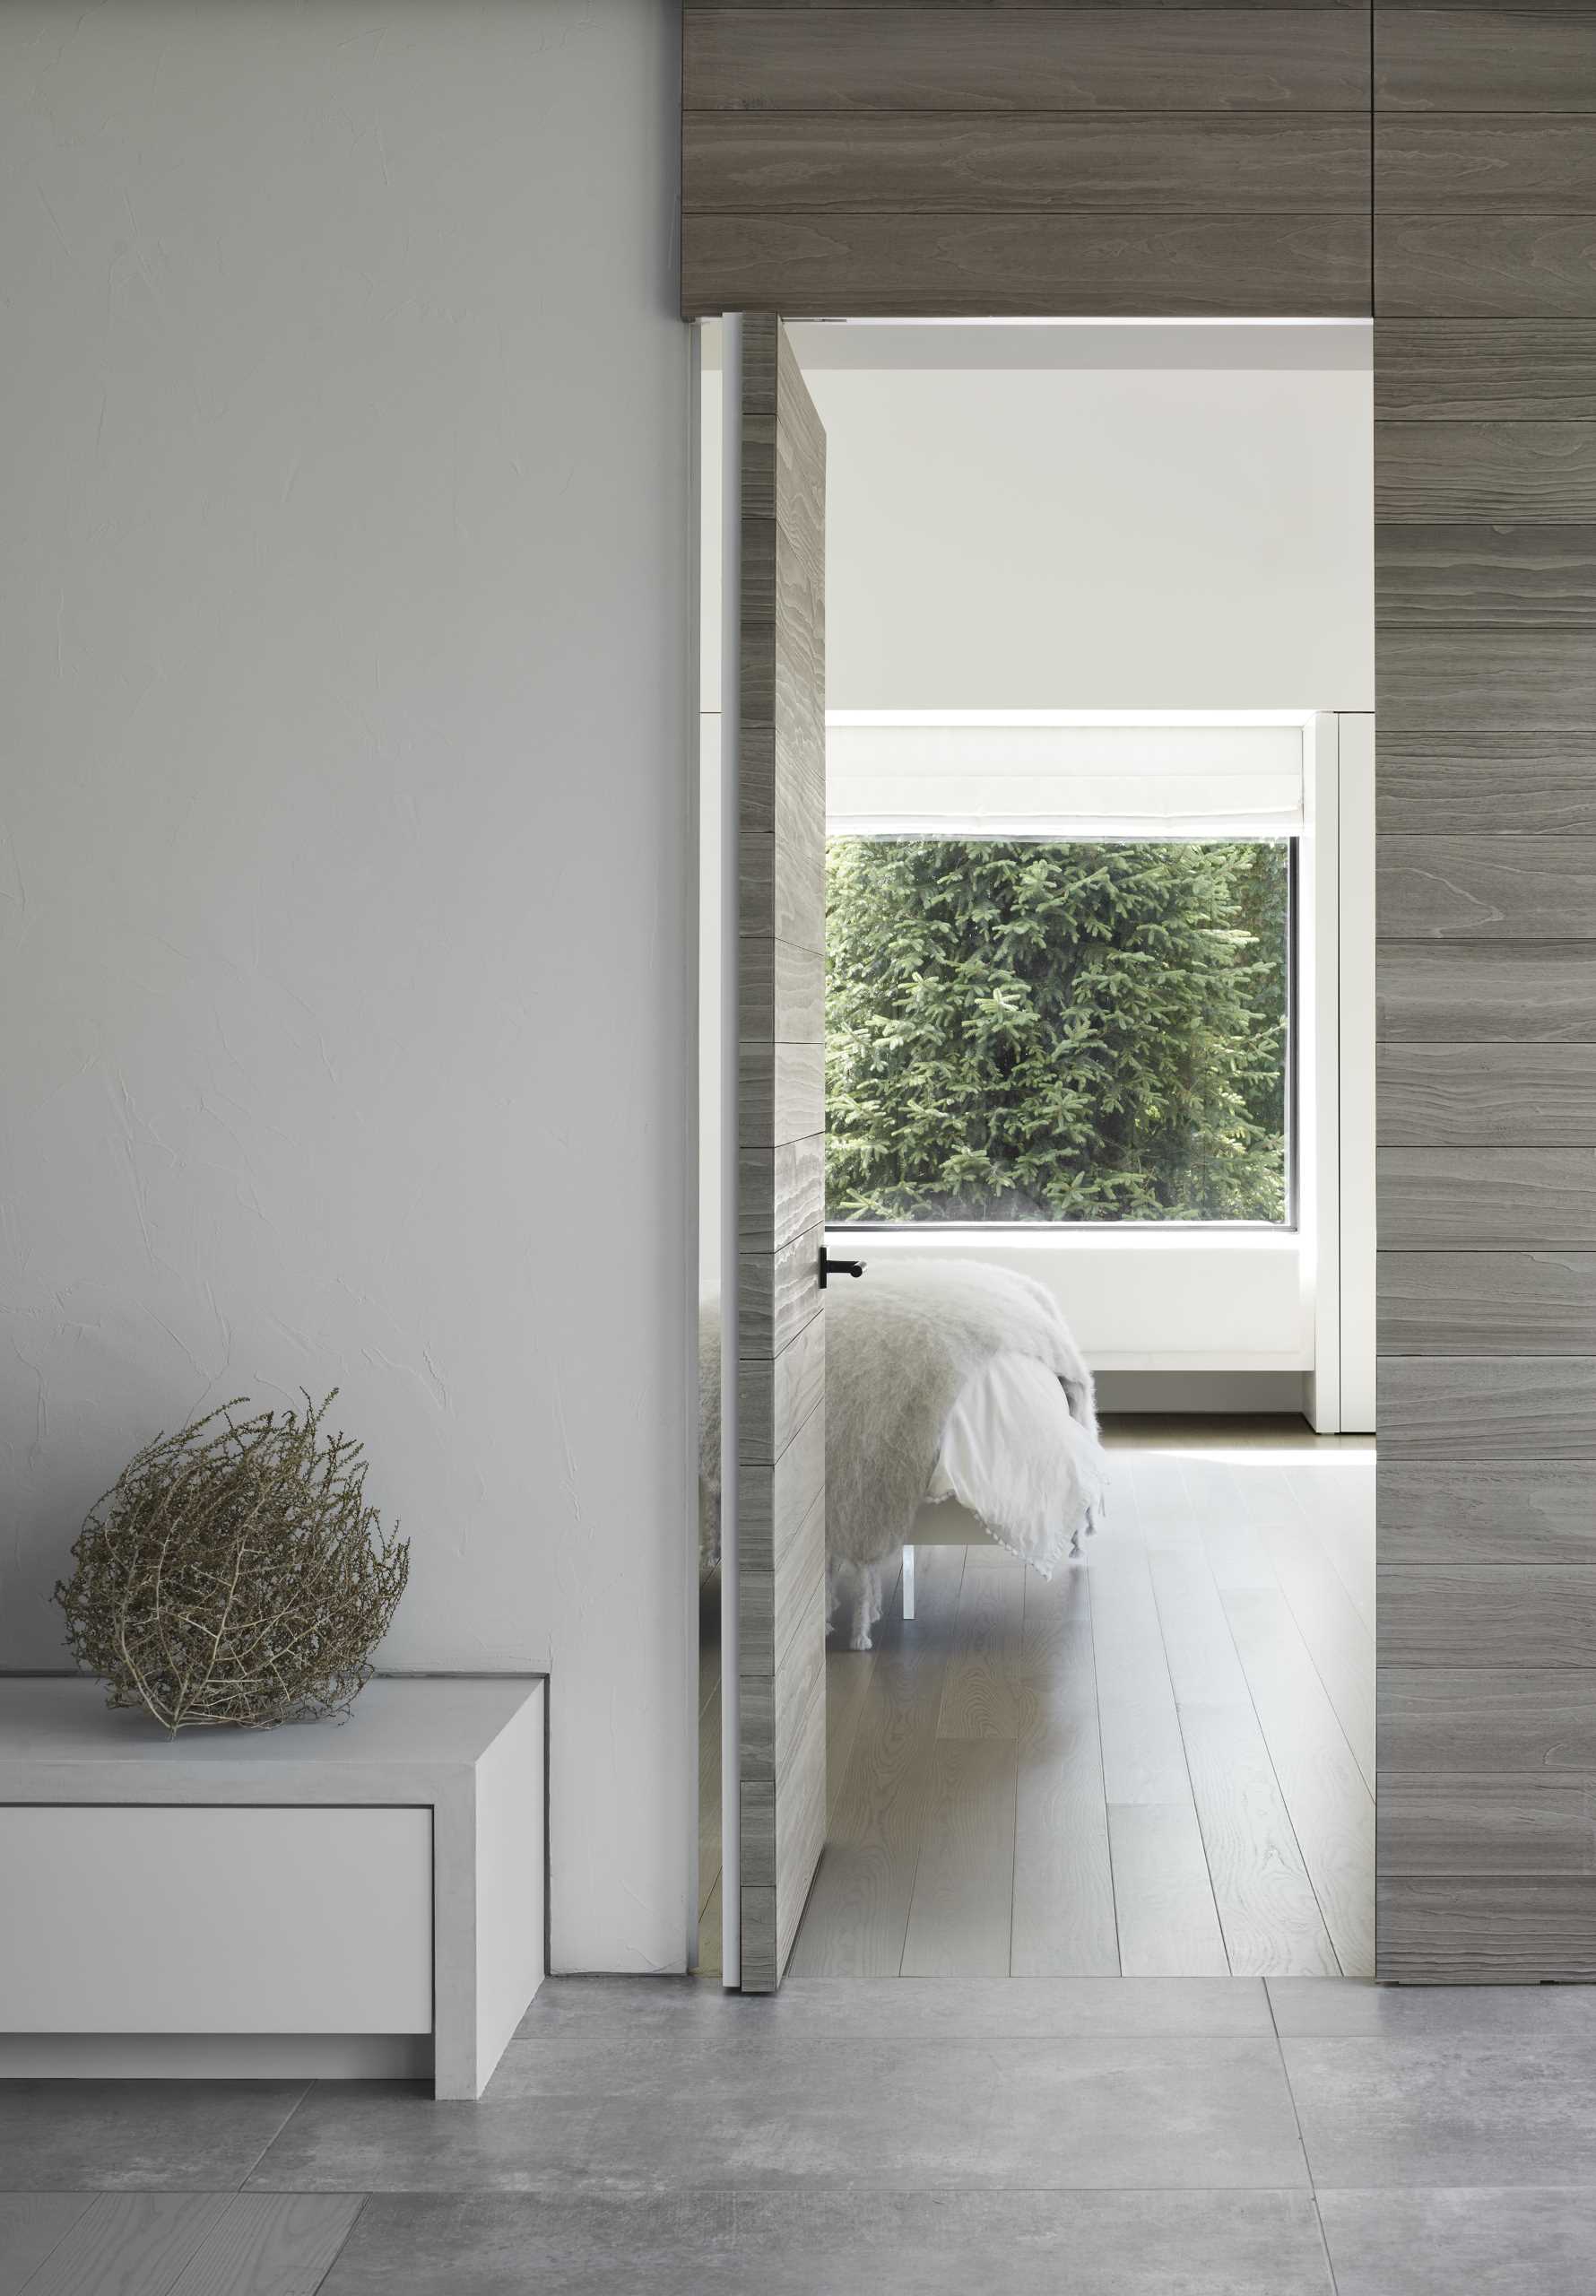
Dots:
{"x": 1158, "y": 1763}
{"x": 171, "y": 2243}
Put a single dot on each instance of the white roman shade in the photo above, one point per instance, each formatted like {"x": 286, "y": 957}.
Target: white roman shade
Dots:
{"x": 1034, "y": 774}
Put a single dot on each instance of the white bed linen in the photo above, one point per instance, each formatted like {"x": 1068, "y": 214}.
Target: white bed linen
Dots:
{"x": 1011, "y": 1453}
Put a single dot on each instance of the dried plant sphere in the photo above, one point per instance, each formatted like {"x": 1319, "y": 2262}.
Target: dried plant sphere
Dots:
{"x": 234, "y": 1574}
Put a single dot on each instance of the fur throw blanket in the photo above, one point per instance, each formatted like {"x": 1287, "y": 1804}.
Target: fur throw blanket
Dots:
{"x": 900, "y": 1347}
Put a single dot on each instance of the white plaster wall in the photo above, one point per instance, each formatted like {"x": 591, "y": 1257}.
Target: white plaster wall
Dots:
{"x": 1141, "y": 539}
{"x": 1166, "y": 532}
{"x": 346, "y": 878}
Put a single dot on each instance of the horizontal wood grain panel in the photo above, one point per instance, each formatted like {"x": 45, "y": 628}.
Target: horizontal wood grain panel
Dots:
{"x": 1018, "y": 265}
{"x": 1519, "y": 1826}
{"x": 1482, "y": 370}
{"x": 781, "y": 792}
{"x": 757, "y": 1907}
{"x": 748, "y": 164}
{"x": 781, "y": 1093}
{"x": 1488, "y": 1930}
{"x": 1490, "y": 1722}
{"x": 1493, "y": 7}
{"x": 1485, "y": 680}
{"x": 775, "y": 1395}
{"x": 1544, "y": 782}
{"x": 781, "y": 988}
{"x": 773, "y": 1502}
{"x": 778, "y": 1293}
{"x": 1508, "y": 473}
{"x": 1484, "y": 266}
{"x": 1486, "y": 1200}
{"x": 1461, "y": 993}
{"x": 1512, "y": 1615}
{"x": 776, "y": 1701}
{"x": 1446, "y": 577}
{"x": 777, "y": 1710}
{"x": 1534, "y": 1407}
{"x": 1484, "y": 60}
{"x": 1486, "y": 1095}
{"x": 783, "y": 1192}
{"x": 1507, "y": 887}
{"x": 943, "y": 59}
{"x": 770, "y": 1599}
{"x": 801, "y": 1807}
{"x": 1511, "y": 163}
{"x": 782, "y": 804}
{"x": 781, "y": 890}
{"x": 1486, "y": 1303}
{"x": 1521, "y": 1513}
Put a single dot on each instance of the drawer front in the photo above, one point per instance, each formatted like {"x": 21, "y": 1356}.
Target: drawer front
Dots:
{"x": 219, "y": 1920}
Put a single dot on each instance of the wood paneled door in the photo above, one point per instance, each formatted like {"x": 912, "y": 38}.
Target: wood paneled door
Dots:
{"x": 781, "y": 1342}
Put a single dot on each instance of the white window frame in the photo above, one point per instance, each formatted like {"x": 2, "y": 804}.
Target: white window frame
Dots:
{"x": 1331, "y": 1244}
{"x": 1340, "y": 788}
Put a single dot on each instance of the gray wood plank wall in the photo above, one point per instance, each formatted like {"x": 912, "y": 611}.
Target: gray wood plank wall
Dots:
{"x": 922, "y": 160}
{"x": 1436, "y": 166}
{"x": 1485, "y": 355}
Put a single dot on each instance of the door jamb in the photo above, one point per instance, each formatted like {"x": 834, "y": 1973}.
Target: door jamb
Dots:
{"x": 1336, "y": 1383}
{"x": 731, "y": 727}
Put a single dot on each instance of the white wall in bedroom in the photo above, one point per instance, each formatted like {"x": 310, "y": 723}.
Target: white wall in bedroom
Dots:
{"x": 1158, "y": 517}
{"x": 345, "y": 879}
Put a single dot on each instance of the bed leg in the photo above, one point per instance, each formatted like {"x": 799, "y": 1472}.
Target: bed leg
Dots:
{"x": 909, "y": 1582}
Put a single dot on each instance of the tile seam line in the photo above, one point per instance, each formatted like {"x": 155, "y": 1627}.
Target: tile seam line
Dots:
{"x": 349, "y": 2231}
{"x": 243, "y": 2183}
{"x": 1324, "y": 2244}
{"x": 994, "y": 2188}
{"x": 1297, "y": 2118}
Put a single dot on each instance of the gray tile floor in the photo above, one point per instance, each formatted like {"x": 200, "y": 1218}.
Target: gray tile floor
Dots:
{"x": 1115, "y": 2136}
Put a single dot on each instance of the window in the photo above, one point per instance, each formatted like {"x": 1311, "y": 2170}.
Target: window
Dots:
{"x": 1054, "y": 1029}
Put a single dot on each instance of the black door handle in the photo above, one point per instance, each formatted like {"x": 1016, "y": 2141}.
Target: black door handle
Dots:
{"x": 830, "y": 1266}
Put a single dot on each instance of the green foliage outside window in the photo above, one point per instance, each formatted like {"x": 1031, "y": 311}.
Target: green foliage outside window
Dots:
{"x": 1038, "y": 1031}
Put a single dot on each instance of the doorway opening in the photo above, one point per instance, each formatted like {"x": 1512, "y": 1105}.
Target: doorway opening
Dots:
{"x": 1097, "y": 915}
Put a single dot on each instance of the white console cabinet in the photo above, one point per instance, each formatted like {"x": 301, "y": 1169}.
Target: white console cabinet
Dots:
{"x": 327, "y": 1898}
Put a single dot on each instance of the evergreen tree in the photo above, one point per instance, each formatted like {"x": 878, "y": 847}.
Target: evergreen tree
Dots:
{"x": 1056, "y": 1031}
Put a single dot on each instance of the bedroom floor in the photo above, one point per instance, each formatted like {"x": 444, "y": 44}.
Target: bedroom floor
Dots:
{"x": 1160, "y": 1763}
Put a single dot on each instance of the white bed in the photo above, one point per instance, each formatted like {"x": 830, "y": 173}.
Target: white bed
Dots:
{"x": 942, "y": 1381}
{"x": 1013, "y": 1456}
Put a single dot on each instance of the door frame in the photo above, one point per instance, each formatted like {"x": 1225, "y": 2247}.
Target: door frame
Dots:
{"x": 1336, "y": 1070}
{"x": 1339, "y": 858}
{"x": 731, "y": 727}
{"x": 760, "y": 898}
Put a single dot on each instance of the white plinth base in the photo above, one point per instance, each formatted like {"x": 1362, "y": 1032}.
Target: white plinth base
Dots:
{"x": 326, "y": 1899}
{"x": 215, "y": 2056}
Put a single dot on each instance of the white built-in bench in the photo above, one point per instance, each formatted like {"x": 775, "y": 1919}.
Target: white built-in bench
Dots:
{"x": 327, "y": 1899}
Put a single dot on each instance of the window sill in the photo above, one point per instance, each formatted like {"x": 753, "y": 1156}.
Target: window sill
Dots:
{"x": 1149, "y": 1297}
{"x": 1129, "y": 1238}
